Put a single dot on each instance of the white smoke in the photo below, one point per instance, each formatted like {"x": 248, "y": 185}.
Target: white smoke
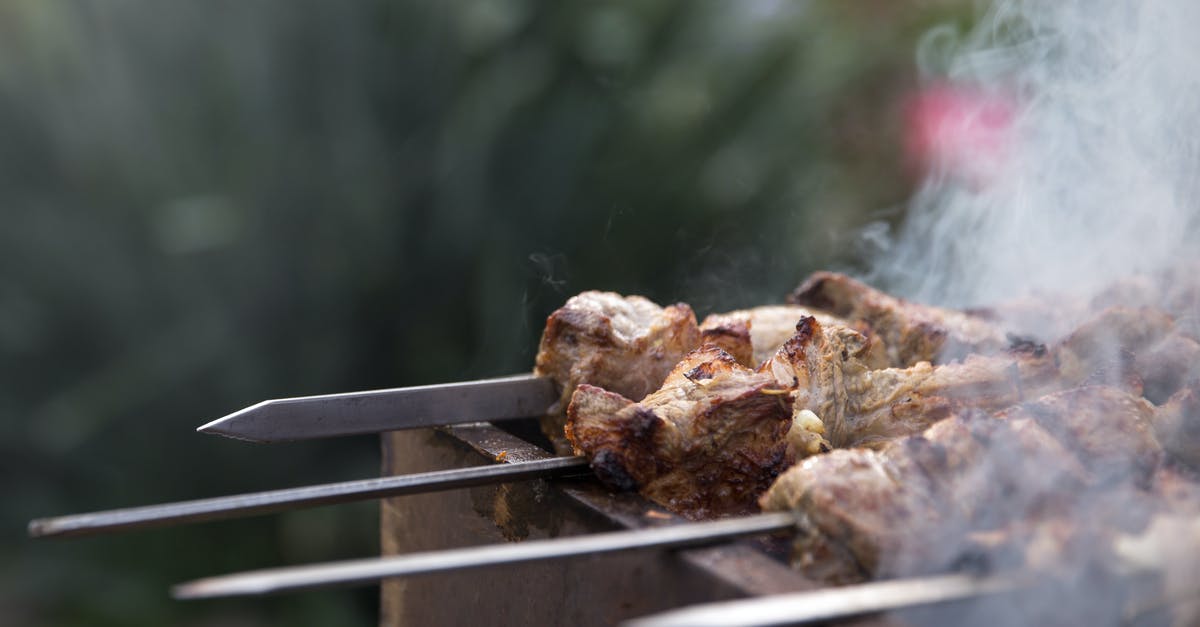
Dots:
{"x": 1099, "y": 178}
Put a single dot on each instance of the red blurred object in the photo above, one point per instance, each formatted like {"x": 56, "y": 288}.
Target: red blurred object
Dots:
{"x": 957, "y": 130}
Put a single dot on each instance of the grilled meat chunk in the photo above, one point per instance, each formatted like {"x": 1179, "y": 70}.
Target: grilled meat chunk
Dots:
{"x": 1167, "y": 366}
{"x": 1111, "y": 430}
{"x": 753, "y": 335}
{"x": 705, "y": 444}
{"x": 911, "y": 332}
{"x": 830, "y": 367}
{"x": 625, "y": 344}
{"x": 908, "y": 507}
{"x": 859, "y": 405}
{"x": 1102, "y": 350}
{"x": 854, "y": 510}
{"x": 1177, "y": 425}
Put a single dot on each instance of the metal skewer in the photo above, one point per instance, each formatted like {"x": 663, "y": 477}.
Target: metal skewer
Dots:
{"x": 375, "y": 411}
{"x": 832, "y": 603}
{"x": 279, "y": 500}
{"x": 374, "y": 569}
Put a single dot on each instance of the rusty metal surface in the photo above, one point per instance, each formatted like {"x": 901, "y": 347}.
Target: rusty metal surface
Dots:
{"x": 598, "y": 590}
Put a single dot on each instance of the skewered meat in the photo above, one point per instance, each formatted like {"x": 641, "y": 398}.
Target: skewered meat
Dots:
{"x": 908, "y": 507}
{"x": 860, "y": 406}
{"x": 911, "y": 332}
{"x": 1102, "y": 349}
{"x": 1177, "y": 425}
{"x": 865, "y": 512}
{"x": 1112, "y": 431}
{"x": 753, "y": 335}
{"x": 839, "y": 401}
{"x": 716, "y": 432}
{"x": 826, "y": 368}
{"x": 706, "y": 444}
{"x": 1167, "y": 366}
{"x": 625, "y": 344}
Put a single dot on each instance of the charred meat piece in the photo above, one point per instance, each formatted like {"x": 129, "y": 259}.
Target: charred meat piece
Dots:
{"x": 906, "y": 509}
{"x": 911, "y": 332}
{"x": 860, "y": 406}
{"x": 855, "y": 513}
{"x": 753, "y": 335}
{"x": 706, "y": 444}
{"x": 1167, "y": 366}
{"x": 997, "y": 470}
{"x": 1111, "y": 431}
{"x": 910, "y": 507}
{"x": 818, "y": 358}
{"x": 1177, "y": 425}
{"x": 625, "y": 344}
{"x": 1102, "y": 350}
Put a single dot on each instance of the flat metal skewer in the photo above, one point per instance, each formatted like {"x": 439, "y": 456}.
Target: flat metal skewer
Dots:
{"x": 375, "y": 411}
{"x": 831, "y": 603}
{"x": 374, "y": 569}
{"x": 279, "y": 500}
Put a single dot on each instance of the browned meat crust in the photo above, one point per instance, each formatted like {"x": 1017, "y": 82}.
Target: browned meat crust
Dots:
{"x": 1112, "y": 431}
{"x": 715, "y": 433}
{"x": 706, "y": 444}
{"x": 625, "y": 344}
{"x": 1167, "y": 367}
{"x": 830, "y": 367}
{"x": 1177, "y": 425}
{"x": 908, "y": 508}
{"x": 753, "y": 335}
{"x": 912, "y": 332}
{"x": 860, "y": 405}
{"x": 1102, "y": 349}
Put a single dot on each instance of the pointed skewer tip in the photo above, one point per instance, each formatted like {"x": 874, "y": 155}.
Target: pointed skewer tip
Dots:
{"x": 222, "y": 426}
{"x": 37, "y": 528}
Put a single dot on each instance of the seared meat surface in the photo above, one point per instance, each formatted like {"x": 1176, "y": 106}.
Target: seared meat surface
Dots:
{"x": 1111, "y": 430}
{"x": 705, "y": 444}
{"x": 911, "y": 332}
{"x": 860, "y": 405}
{"x": 624, "y": 344}
{"x": 908, "y": 507}
{"x": 1167, "y": 366}
{"x": 753, "y": 335}
{"x": 1102, "y": 348}
{"x": 831, "y": 370}
{"x": 835, "y": 399}
{"x": 1177, "y": 425}
{"x": 910, "y": 438}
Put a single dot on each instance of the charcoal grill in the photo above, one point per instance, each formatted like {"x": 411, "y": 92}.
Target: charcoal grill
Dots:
{"x": 600, "y": 590}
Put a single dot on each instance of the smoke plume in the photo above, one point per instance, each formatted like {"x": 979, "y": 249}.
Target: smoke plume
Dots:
{"x": 1062, "y": 148}
{"x": 1098, "y": 176}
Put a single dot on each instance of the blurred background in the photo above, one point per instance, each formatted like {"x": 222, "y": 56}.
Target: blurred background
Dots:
{"x": 209, "y": 204}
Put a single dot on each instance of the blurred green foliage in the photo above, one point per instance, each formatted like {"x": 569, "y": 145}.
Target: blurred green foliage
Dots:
{"x": 210, "y": 203}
